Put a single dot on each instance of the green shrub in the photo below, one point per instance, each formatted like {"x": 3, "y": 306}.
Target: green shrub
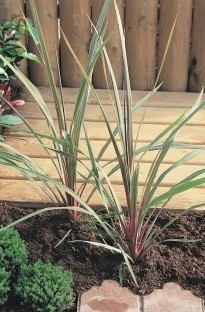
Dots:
{"x": 11, "y": 47}
{"x": 45, "y": 287}
{"x": 13, "y": 253}
{"x": 4, "y": 285}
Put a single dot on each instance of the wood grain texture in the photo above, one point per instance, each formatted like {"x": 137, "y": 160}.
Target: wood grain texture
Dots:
{"x": 175, "y": 70}
{"x": 197, "y": 67}
{"x": 113, "y": 46}
{"x": 12, "y": 183}
{"x": 75, "y": 23}
{"x": 160, "y": 99}
{"x": 183, "y": 70}
{"x": 98, "y": 131}
{"x": 12, "y": 189}
{"x": 30, "y": 147}
{"x": 170, "y": 180}
{"x": 154, "y": 115}
{"x": 48, "y": 15}
{"x": 10, "y": 9}
{"x": 141, "y": 34}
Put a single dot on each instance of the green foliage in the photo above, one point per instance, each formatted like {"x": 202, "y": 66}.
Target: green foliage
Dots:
{"x": 45, "y": 287}
{"x": 64, "y": 138}
{"x": 13, "y": 253}
{"x": 138, "y": 232}
{"x": 11, "y": 47}
{"x": 10, "y": 120}
{"x": 4, "y": 285}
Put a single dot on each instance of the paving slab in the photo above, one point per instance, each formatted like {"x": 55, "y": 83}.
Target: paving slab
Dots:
{"x": 172, "y": 298}
{"x": 110, "y": 297}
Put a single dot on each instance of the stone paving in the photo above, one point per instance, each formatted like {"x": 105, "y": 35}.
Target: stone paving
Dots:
{"x": 110, "y": 297}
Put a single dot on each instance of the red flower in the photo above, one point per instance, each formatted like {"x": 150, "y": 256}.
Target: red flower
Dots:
{"x": 6, "y": 90}
{"x": 17, "y": 103}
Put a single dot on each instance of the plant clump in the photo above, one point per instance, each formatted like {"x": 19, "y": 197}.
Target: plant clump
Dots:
{"x": 44, "y": 287}
{"x": 4, "y": 285}
{"x": 11, "y": 47}
{"x": 13, "y": 51}
{"x": 13, "y": 253}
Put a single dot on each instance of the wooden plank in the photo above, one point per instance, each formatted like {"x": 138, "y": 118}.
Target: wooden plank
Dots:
{"x": 154, "y": 115}
{"x": 23, "y": 191}
{"x": 47, "y": 166}
{"x": 98, "y": 131}
{"x": 141, "y": 33}
{"x": 12, "y": 183}
{"x": 160, "y": 99}
{"x": 113, "y": 46}
{"x": 31, "y": 148}
{"x": 8, "y": 10}
{"x": 197, "y": 69}
{"x": 175, "y": 70}
{"x": 74, "y": 21}
{"x": 48, "y": 15}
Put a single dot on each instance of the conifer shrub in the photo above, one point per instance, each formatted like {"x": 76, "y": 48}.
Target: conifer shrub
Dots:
{"x": 44, "y": 287}
{"x": 13, "y": 252}
{"x": 4, "y": 285}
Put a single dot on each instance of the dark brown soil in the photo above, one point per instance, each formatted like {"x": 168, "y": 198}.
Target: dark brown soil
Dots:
{"x": 165, "y": 262}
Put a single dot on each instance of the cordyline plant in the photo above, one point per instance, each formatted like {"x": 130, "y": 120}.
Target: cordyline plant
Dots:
{"x": 65, "y": 137}
{"x": 135, "y": 230}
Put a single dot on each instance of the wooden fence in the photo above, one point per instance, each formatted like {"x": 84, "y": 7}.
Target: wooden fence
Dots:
{"x": 147, "y": 25}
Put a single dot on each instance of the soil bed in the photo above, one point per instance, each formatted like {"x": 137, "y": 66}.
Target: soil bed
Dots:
{"x": 165, "y": 262}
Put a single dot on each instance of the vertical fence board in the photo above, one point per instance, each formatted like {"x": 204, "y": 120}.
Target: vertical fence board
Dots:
{"x": 8, "y": 10}
{"x": 141, "y": 17}
{"x": 113, "y": 46}
{"x": 75, "y": 23}
{"x": 175, "y": 71}
{"x": 48, "y": 15}
{"x": 141, "y": 34}
{"x": 197, "y": 69}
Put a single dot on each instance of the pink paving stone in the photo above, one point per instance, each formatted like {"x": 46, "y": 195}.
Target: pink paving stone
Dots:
{"x": 172, "y": 298}
{"x": 109, "y": 297}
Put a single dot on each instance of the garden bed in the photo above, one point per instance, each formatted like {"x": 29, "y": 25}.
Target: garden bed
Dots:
{"x": 167, "y": 262}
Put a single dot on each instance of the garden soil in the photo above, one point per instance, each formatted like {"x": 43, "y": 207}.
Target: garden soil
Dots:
{"x": 165, "y": 262}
